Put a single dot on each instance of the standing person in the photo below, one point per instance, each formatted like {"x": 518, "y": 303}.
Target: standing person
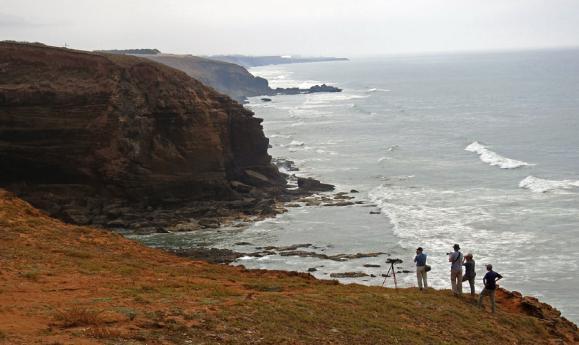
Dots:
{"x": 490, "y": 281}
{"x": 456, "y": 259}
{"x": 420, "y": 260}
{"x": 469, "y": 272}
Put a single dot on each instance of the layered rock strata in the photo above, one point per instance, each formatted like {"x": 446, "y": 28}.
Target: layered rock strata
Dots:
{"x": 97, "y": 138}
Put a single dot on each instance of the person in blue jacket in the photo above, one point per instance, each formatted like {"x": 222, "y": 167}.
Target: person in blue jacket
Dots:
{"x": 490, "y": 282}
{"x": 421, "y": 274}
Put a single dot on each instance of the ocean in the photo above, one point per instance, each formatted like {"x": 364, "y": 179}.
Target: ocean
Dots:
{"x": 478, "y": 149}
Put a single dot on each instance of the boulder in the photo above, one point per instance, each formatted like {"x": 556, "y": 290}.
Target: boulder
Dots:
{"x": 309, "y": 184}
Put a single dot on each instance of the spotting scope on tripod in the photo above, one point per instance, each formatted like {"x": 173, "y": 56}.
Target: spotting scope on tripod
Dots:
{"x": 392, "y": 271}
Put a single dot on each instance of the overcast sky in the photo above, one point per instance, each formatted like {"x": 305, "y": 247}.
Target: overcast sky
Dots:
{"x": 307, "y": 27}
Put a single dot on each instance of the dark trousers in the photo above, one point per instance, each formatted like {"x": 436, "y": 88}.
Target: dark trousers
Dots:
{"x": 470, "y": 282}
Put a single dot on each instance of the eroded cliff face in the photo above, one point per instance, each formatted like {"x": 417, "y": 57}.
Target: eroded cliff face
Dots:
{"x": 80, "y": 125}
{"x": 227, "y": 78}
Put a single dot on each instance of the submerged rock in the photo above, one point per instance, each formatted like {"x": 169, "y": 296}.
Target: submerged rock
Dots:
{"x": 212, "y": 255}
{"x": 288, "y": 248}
{"x": 349, "y": 275}
{"x": 337, "y": 257}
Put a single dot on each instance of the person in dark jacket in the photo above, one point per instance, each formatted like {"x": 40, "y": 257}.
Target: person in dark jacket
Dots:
{"x": 490, "y": 281}
{"x": 469, "y": 272}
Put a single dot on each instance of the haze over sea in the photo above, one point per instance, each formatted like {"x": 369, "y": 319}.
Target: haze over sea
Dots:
{"x": 476, "y": 149}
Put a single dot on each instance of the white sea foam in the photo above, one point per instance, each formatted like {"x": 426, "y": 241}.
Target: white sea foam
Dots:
{"x": 437, "y": 218}
{"x": 280, "y": 136}
{"x": 296, "y": 143}
{"x": 331, "y": 97}
{"x": 378, "y": 90}
{"x": 328, "y": 152}
{"x": 539, "y": 185}
{"x": 493, "y": 158}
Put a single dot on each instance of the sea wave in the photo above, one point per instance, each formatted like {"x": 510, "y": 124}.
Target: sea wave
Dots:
{"x": 493, "y": 158}
{"x": 280, "y": 136}
{"x": 539, "y": 185}
{"x": 296, "y": 143}
{"x": 436, "y": 218}
{"x": 378, "y": 90}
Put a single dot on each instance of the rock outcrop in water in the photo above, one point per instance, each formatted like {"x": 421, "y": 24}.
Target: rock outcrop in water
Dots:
{"x": 98, "y": 138}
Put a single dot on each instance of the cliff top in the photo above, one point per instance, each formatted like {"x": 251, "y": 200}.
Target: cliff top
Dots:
{"x": 64, "y": 284}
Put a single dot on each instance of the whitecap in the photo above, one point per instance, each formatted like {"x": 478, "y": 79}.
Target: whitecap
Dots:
{"x": 280, "y": 136}
{"x": 539, "y": 185}
{"x": 378, "y": 90}
{"x": 321, "y": 151}
{"x": 296, "y": 143}
{"x": 493, "y": 158}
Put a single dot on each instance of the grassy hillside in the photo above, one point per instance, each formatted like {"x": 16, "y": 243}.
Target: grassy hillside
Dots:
{"x": 64, "y": 284}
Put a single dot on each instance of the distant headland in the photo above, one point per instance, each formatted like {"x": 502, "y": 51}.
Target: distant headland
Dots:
{"x": 228, "y": 74}
{"x": 254, "y": 61}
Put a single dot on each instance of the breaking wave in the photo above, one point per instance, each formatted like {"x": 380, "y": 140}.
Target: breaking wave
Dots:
{"x": 493, "y": 158}
{"x": 539, "y": 185}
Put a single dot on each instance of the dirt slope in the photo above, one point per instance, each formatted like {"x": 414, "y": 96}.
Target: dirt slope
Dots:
{"x": 64, "y": 284}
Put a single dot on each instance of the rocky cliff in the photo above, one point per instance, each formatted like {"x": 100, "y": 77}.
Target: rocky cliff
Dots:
{"x": 83, "y": 132}
{"x": 228, "y": 78}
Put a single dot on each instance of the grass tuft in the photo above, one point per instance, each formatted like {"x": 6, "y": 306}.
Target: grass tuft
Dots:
{"x": 77, "y": 317}
{"x": 32, "y": 274}
{"x": 103, "y": 333}
{"x": 73, "y": 253}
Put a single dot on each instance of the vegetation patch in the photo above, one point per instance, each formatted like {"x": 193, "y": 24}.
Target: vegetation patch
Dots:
{"x": 78, "y": 317}
{"x": 264, "y": 287}
{"x": 32, "y": 274}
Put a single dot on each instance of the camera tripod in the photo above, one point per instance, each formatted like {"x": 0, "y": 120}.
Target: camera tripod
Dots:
{"x": 392, "y": 270}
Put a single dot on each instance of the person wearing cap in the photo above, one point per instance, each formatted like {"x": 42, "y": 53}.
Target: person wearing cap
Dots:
{"x": 420, "y": 260}
{"x": 490, "y": 281}
{"x": 456, "y": 260}
{"x": 469, "y": 272}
